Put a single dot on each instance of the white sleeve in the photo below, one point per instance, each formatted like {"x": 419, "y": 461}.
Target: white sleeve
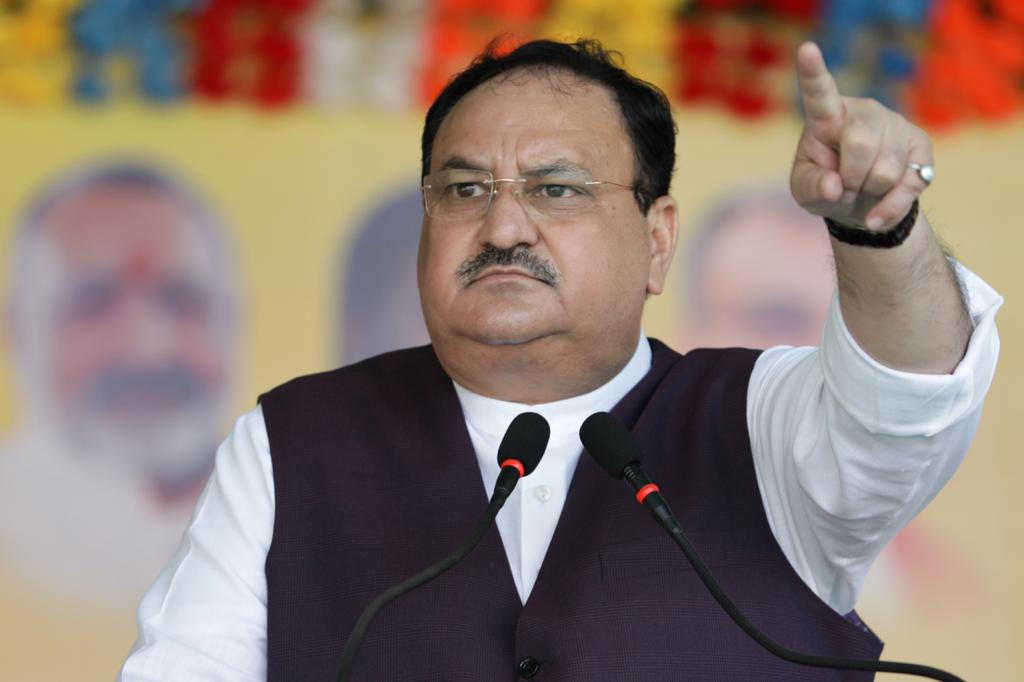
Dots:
{"x": 848, "y": 451}
{"x": 205, "y": 617}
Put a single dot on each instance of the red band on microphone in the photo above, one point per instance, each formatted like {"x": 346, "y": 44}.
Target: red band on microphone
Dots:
{"x": 515, "y": 463}
{"x": 645, "y": 491}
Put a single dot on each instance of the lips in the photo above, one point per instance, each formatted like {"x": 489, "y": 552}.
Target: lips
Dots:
{"x": 493, "y": 272}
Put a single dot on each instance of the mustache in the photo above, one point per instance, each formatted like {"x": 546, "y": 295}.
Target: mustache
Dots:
{"x": 519, "y": 256}
{"x": 174, "y": 383}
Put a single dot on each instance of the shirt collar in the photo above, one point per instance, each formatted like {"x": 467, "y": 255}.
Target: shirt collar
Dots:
{"x": 491, "y": 416}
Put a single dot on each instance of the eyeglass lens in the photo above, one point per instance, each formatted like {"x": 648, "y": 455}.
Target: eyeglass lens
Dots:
{"x": 467, "y": 194}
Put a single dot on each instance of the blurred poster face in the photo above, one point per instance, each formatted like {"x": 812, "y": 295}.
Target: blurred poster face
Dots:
{"x": 135, "y": 366}
{"x": 379, "y": 301}
{"x": 122, "y": 328}
{"x": 760, "y": 274}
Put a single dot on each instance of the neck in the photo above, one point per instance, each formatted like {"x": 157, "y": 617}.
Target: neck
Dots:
{"x": 545, "y": 370}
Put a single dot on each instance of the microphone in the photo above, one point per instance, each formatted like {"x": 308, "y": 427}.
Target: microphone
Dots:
{"x": 520, "y": 451}
{"x": 618, "y": 453}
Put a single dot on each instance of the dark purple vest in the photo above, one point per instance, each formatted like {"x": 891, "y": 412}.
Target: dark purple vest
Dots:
{"x": 375, "y": 478}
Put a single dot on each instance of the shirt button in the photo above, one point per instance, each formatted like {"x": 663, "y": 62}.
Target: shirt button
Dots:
{"x": 542, "y": 493}
{"x": 528, "y": 667}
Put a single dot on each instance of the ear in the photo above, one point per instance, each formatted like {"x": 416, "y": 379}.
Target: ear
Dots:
{"x": 662, "y": 232}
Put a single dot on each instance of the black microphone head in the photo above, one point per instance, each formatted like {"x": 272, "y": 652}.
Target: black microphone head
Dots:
{"x": 525, "y": 440}
{"x": 610, "y": 443}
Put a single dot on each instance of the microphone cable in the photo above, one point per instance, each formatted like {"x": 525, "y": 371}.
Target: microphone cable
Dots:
{"x": 518, "y": 455}
{"x": 617, "y": 452}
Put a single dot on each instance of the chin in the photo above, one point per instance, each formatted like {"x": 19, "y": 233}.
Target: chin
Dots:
{"x": 508, "y": 334}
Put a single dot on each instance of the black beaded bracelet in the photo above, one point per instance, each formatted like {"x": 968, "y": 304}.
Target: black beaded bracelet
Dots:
{"x": 879, "y": 240}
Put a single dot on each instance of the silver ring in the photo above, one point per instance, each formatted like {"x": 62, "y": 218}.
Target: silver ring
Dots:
{"x": 925, "y": 171}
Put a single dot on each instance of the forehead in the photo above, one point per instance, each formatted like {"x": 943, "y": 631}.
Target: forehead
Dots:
{"x": 110, "y": 223}
{"x": 529, "y": 118}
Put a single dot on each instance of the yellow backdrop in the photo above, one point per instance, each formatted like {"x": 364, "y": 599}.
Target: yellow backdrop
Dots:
{"x": 292, "y": 188}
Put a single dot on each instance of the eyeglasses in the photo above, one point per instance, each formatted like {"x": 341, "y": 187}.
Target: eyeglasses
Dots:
{"x": 468, "y": 194}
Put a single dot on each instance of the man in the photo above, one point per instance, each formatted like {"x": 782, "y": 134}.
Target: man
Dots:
{"x": 121, "y": 322}
{"x": 548, "y": 223}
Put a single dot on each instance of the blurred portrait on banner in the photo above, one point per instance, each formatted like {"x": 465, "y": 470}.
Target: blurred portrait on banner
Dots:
{"x": 154, "y": 151}
{"x": 378, "y": 302}
{"x": 122, "y": 325}
{"x": 757, "y": 272}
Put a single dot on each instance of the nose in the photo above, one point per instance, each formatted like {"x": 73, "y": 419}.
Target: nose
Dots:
{"x": 508, "y": 223}
{"x": 147, "y": 335}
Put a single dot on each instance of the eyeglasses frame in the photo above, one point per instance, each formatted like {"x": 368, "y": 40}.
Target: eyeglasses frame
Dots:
{"x": 494, "y": 188}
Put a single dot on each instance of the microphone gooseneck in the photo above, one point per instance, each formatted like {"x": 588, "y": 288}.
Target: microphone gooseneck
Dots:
{"x": 520, "y": 451}
{"x": 616, "y": 451}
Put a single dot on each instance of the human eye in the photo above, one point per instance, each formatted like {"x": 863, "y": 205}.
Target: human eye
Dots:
{"x": 559, "y": 191}
{"x": 465, "y": 190}
{"x": 184, "y": 299}
{"x": 557, "y": 188}
{"x": 92, "y": 298}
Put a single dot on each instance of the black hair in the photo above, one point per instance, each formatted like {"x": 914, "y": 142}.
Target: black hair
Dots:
{"x": 645, "y": 109}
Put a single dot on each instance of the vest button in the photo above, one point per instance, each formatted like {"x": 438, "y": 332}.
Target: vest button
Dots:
{"x": 528, "y": 667}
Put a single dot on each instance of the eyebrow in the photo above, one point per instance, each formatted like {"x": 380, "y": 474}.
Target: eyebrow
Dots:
{"x": 556, "y": 166}
{"x": 460, "y": 163}
{"x": 564, "y": 166}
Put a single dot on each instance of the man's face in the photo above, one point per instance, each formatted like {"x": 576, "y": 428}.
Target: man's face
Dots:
{"x": 598, "y": 263}
{"x": 134, "y": 364}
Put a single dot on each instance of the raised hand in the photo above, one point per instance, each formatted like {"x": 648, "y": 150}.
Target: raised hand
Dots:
{"x": 853, "y": 162}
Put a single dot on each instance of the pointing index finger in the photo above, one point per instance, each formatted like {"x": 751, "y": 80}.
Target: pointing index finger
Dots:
{"x": 818, "y": 91}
